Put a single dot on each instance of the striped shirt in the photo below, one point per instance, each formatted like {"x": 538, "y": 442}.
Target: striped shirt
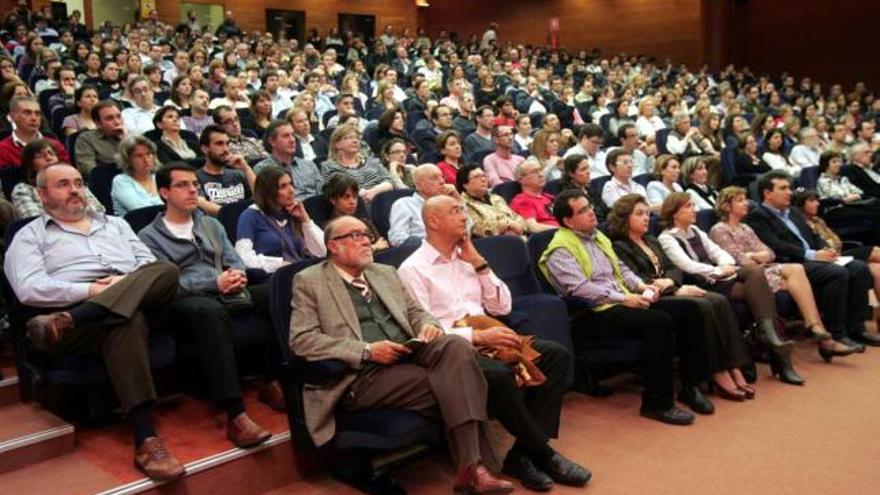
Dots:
{"x": 370, "y": 174}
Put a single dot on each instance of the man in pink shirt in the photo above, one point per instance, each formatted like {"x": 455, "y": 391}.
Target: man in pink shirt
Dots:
{"x": 533, "y": 204}
{"x": 500, "y": 166}
{"x": 451, "y": 280}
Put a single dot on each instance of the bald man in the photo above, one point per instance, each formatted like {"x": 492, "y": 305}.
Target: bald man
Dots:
{"x": 450, "y": 278}
{"x": 364, "y": 318}
{"x": 405, "y": 220}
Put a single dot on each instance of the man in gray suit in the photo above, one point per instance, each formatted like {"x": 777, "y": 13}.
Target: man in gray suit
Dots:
{"x": 364, "y": 317}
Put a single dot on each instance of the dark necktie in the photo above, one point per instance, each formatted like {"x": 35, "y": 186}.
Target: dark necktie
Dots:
{"x": 361, "y": 285}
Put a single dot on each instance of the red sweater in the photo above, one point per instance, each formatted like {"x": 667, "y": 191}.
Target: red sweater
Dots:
{"x": 10, "y": 152}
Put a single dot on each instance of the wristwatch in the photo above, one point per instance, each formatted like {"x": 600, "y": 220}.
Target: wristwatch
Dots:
{"x": 366, "y": 355}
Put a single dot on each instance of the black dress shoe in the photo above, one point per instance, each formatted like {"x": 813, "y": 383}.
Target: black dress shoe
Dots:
{"x": 859, "y": 347}
{"x": 671, "y": 416}
{"x": 695, "y": 400}
{"x": 521, "y": 467}
{"x": 867, "y": 339}
{"x": 566, "y": 471}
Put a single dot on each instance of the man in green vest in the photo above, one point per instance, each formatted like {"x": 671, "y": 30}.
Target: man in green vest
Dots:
{"x": 580, "y": 262}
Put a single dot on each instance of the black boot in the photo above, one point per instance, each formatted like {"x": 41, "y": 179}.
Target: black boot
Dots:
{"x": 781, "y": 366}
{"x": 768, "y": 336}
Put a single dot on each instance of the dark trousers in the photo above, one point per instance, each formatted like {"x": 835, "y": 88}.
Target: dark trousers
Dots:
{"x": 442, "y": 380}
{"x": 841, "y": 295}
{"x": 122, "y": 337}
{"x": 530, "y": 414}
{"x": 208, "y": 324}
{"x": 690, "y": 341}
{"x": 654, "y": 328}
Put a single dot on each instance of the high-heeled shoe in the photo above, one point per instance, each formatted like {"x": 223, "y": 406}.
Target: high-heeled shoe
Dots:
{"x": 768, "y": 336}
{"x": 828, "y": 349}
{"x": 749, "y": 390}
{"x": 735, "y": 395}
{"x": 820, "y": 335}
{"x": 781, "y": 367}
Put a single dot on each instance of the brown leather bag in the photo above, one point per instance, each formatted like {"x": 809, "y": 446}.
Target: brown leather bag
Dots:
{"x": 521, "y": 359}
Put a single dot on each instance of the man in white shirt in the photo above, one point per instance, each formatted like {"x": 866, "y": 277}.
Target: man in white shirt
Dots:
{"x": 406, "y": 223}
{"x": 620, "y": 164}
{"x": 590, "y": 138}
{"x": 807, "y": 152}
{"x": 138, "y": 119}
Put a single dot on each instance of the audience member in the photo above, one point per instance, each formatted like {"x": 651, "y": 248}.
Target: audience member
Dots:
{"x": 282, "y": 142}
{"x": 532, "y": 203}
{"x": 26, "y": 118}
{"x": 225, "y": 177}
{"x": 135, "y": 187}
{"x": 489, "y": 212}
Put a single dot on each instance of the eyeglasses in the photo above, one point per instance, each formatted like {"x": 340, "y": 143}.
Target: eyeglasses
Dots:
{"x": 231, "y": 121}
{"x": 357, "y": 236}
{"x": 186, "y": 184}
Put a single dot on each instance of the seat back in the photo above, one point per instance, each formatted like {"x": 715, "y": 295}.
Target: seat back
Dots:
{"x": 395, "y": 256}
{"x": 280, "y": 294}
{"x": 509, "y": 259}
{"x": 536, "y": 246}
{"x": 661, "y": 137}
{"x": 380, "y": 210}
{"x": 228, "y": 216}
{"x": 643, "y": 179}
{"x": 507, "y": 190}
{"x": 478, "y": 156}
{"x": 101, "y": 184}
{"x": 321, "y": 210}
{"x": 597, "y": 184}
{"x": 706, "y": 219}
{"x": 141, "y": 217}
{"x": 809, "y": 178}
{"x": 10, "y": 176}
{"x": 553, "y": 187}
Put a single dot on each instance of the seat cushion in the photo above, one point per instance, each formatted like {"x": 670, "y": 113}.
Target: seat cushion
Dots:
{"x": 383, "y": 429}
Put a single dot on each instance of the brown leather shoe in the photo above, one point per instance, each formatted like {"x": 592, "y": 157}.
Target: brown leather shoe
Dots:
{"x": 46, "y": 330}
{"x": 154, "y": 460}
{"x": 477, "y": 480}
{"x": 271, "y": 394}
{"x": 243, "y": 432}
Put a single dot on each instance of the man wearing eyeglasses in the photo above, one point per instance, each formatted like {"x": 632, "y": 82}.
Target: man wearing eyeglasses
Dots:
{"x": 590, "y": 138}
{"x": 251, "y": 149}
{"x": 138, "y": 119}
{"x": 211, "y": 272}
{"x": 351, "y": 309}
{"x": 501, "y": 165}
{"x": 94, "y": 265}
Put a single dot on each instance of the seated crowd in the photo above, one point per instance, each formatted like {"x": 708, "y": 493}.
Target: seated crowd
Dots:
{"x": 619, "y": 160}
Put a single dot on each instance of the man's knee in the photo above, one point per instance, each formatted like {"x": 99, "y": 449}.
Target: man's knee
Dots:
{"x": 553, "y": 355}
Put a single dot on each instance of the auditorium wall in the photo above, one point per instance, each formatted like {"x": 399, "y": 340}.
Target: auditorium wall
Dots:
{"x": 669, "y": 28}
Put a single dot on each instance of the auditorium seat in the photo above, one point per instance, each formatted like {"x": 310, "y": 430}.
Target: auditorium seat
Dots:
{"x": 101, "y": 184}
{"x": 507, "y": 190}
{"x": 360, "y": 435}
{"x": 380, "y": 209}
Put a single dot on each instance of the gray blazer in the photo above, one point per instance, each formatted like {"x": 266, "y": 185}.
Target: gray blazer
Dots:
{"x": 324, "y": 325}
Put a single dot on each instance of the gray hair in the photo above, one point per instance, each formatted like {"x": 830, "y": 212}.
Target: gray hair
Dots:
{"x": 419, "y": 173}
{"x": 126, "y": 148}
{"x": 519, "y": 171}
{"x": 806, "y": 132}
{"x": 677, "y": 117}
{"x": 18, "y": 100}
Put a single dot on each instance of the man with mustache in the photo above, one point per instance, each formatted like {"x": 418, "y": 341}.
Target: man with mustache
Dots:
{"x": 93, "y": 264}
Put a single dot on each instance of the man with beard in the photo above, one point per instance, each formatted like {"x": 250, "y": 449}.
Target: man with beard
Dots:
{"x": 100, "y": 145}
{"x": 225, "y": 177}
{"x": 94, "y": 266}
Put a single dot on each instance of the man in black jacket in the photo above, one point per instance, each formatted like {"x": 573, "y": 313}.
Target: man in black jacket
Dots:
{"x": 841, "y": 291}
{"x": 860, "y": 172}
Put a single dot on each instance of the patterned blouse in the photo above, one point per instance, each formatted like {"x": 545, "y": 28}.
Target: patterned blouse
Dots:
{"x": 824, "y": 231}
{"x": 492, "y": 217}
{"x": 835, "y": 187}
{"x": 742, "y": 239}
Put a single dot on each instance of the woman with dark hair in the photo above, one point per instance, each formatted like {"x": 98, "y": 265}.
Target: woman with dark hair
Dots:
{"x": 620, "y": 116}
{"x": 709, "y": 267}
{"x": 392, "y": 124}
{"x": 775, "y": 155}
{"x": 342, "y": 192}
{"x": 748, "y": 161}
{"x": 489, "y": 212}
{"x": 85, "y": 98}
{"x": 7, "y": 70}
{"x": 92, "y": 73}
{"x": 276, "y": 230}
{"x": 743, "y": 244}
{"x": 393, "y": 155}
{"x": 707, "y": 332}
{"x": 171, "y": 145}
{"x": 181, "y": 91}
{"x": 36, "y": 156}
{"x": 576, "y": 175}
{"x": 808, "y": 202}
{"x": 259, "y": 115}
{"x": 9, "y": 91}
{"x": 449, "y": 147}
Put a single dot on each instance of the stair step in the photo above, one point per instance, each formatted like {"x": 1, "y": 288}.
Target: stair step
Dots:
{"x": 221, "y": 474}
{"x": 9, "y": 391}
{"x": 30, "y": 434}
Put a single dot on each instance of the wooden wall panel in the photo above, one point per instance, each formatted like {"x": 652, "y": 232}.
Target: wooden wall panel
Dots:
{"x": 320, "y": 14}
{"x": 668, "y": 28}
{"x": 829, "y": 41}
